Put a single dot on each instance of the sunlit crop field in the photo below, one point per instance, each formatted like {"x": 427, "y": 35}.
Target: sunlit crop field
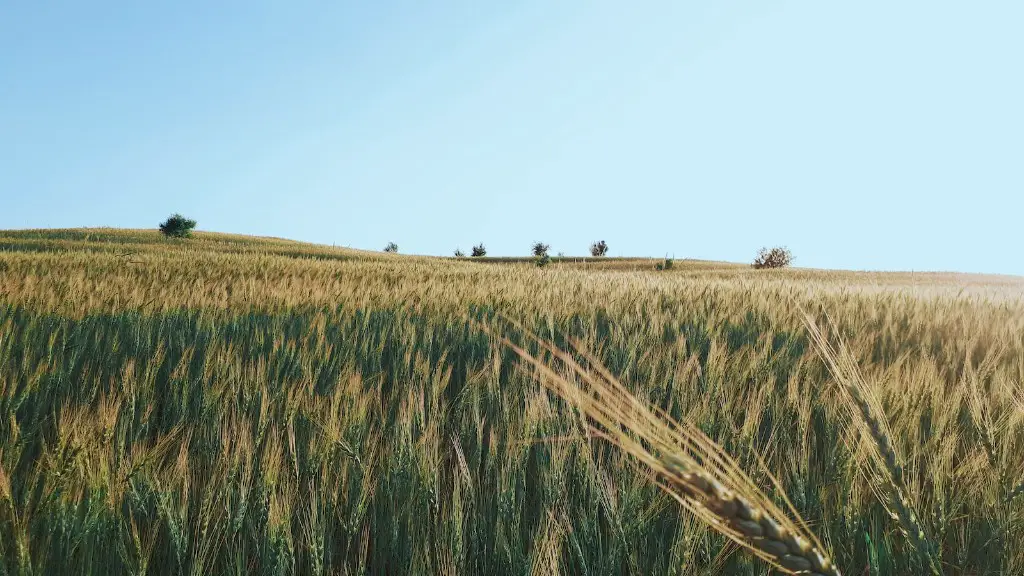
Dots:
{"x": 227, "y": 404}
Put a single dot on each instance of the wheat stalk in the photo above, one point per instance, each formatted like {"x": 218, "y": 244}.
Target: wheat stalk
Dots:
{"x": 869, "y": 417}
{"x": 687, "y": 465}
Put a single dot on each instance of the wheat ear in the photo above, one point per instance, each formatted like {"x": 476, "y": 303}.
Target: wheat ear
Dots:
{"x": 869, "y": 418}
{"x": 688, "y": 465}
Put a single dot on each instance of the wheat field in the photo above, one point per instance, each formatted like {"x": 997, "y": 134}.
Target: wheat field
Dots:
{"x": 237, "y": 405}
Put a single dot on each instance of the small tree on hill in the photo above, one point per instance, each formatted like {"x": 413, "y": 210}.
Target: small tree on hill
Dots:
{"x": 479, "y": 251}
{"x": 459, "y": 253}
{"x": 391, "y": 247}
{"x": 177, "y": 226}
{"x": 599, "y": 248}
{"x": 540, "y": 249}
{"x": 778, "y": 257}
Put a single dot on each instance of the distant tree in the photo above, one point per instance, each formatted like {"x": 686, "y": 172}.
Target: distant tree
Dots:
{"x": 459, "y": 253}
{"x": 666, "y": 265}
{"x": 540, "y": 249}
{"x": 599, "y": 248}
{"x": 561, "y": 254}
{"x": 391, "y": 247}
{"x": 177, "y": 226}
{"x": 778, "y": 257}
{"x": 479, "y": 251}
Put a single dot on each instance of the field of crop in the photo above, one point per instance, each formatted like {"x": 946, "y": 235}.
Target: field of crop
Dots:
{"x": 233, "y": 405}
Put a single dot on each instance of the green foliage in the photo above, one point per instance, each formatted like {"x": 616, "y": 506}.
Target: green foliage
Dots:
{"x": 177, "y": 226}
{"x": 459, "y": 253}
{"x": 391, "y": 248}
{"x": 542, "y": 260}
{"x": 599, "y": 248}
{"x": 479, "y": 251}
{"x": 540, "y": 249}
{"x": 666, "y": 265}
{"x": 778, "y": 257}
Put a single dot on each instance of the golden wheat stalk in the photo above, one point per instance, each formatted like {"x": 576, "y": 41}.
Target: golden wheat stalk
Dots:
{"x": 869, "y": 418}
{"x": 688, "y": 465}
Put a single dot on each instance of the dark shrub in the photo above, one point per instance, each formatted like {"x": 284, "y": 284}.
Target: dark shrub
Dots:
{"x": 599, "y": 248}
{"x": 479, "y": 251}
{"x": 778, "y": 257}
{"x": 177, "y": 226}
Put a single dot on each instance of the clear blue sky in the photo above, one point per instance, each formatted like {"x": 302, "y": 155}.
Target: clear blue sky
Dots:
{"x": 865, "y": 135}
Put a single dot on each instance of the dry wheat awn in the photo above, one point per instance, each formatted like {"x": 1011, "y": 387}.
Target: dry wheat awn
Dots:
{"x": 687, "y": 464}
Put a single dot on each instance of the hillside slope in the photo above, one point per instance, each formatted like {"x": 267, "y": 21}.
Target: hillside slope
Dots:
{"x": 138, "y": 267}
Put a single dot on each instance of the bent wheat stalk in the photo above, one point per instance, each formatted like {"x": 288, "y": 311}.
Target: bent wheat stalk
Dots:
{"x": 688, "y": 465}
{"x": 869, "y": 419}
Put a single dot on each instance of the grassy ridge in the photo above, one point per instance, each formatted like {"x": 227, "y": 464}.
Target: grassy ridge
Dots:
{"x": 263, "y": 406}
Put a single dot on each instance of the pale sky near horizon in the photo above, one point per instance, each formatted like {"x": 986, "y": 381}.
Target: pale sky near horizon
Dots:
{"x": 862, "y": 135}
